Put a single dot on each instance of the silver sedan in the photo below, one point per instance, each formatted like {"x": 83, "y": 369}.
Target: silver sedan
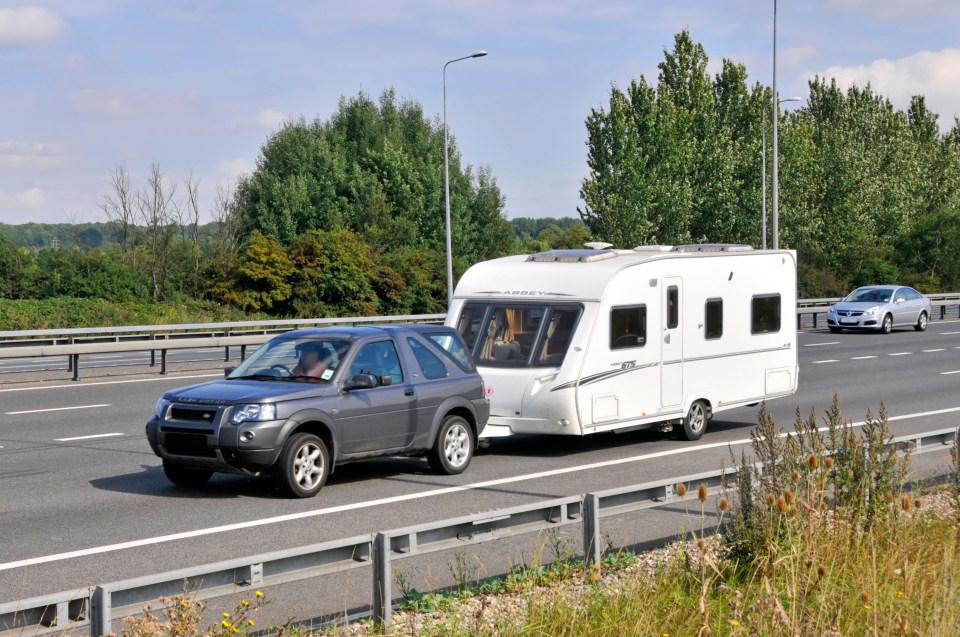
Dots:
{"x": 880, "y": 307}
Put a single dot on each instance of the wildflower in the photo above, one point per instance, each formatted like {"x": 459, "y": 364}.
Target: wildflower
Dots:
{"x": 900, "y": 593}
{"x": 225, "y": 624}
{"x": 244, "y": 603}
{"x": 788, "y": 496}
{"x": 828, "y": 462}
{"x": 236, "y": 630}
{"x": 782, "y": 505}
{"x": 916, "y": 503}
{"x": 794, "y": 510}
{"x": 868, "y": 606}
{"x": 813, "y": 462}
{"x": 888, "y": 496}
{"x": 226, "y": 614}
{"x": 702, "y": 544}
{"x": 724, "y": 504}
{"x": 734, "y": 622}
{"x": 702, "y": 493}
{"x": 681, "y": 490}
{"x": 259, "y": 593}
{"x": 771, "y": 500}
{"x": 821, "y": 571}
{"x": 905, "y": 502}
{"x": 865, "y": 596}
{"x": 250, "y": 621}
{"x": 796, "y": 476}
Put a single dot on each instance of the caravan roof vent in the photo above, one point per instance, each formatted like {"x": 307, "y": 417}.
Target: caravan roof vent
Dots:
{"x": 597, "y": 245}
{"x": 713, "y": 247}
{"x": 572, "y": 256}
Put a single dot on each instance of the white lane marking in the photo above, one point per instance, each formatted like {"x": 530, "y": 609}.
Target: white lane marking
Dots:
{"x": 948, "y": 373}
{"x": 900, "y": 354}
{"x": 861, "y": 358}
{"x": 86, "y": 437}
{"x": 43, "y": 411}
{"x": 830, "y": 360}
{"x": 97, "y": 550}
{"x": 820, "y": 344}
{"x": 112, "y": 382}
{"x": 928, "y": 351}
{"x": 948, "y": 333}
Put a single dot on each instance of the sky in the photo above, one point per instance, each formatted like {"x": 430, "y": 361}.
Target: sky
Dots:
{"x": 196, "y": 87}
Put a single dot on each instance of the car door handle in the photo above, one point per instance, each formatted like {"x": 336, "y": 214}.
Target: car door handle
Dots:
{"x": 408, "y": 392}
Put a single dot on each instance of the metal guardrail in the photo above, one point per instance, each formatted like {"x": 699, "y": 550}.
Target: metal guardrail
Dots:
{"x": 95, "y": 607}
{"x": 153, "y": 338}
{"x": 74, "y": 342}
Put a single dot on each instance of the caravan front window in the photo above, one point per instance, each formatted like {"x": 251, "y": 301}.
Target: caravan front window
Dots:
{"x": 518, "y": 335}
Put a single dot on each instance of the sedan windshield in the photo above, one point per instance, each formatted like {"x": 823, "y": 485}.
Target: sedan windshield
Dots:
{"x": 869, "y": 295}
{"x": 294, "y": 359}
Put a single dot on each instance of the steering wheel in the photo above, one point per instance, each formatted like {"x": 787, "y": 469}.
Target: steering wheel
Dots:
{"x": 283, "y": 369}
{"x": 626, "y": 339}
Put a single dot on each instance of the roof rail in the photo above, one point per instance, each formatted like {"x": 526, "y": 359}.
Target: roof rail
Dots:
{"x": 572, "y": 256}
{"x": 713, "y": 247}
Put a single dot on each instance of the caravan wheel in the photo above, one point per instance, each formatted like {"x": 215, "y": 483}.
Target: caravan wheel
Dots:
{"x": 696, "y": 421}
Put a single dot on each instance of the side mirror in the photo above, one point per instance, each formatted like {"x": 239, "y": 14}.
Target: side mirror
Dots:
{"x": 360, "y": 381}
{"x": 227, "y": 371}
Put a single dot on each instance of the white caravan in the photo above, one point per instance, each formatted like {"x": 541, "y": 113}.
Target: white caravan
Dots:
{"x": 582, "y": 341}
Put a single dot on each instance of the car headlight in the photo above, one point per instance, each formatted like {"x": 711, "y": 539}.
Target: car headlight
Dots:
{"x": 161, "y": 409}
{"x": 872, "y": 310}
{"x": 253, "y": 413}
{"x": 831, "y": 310}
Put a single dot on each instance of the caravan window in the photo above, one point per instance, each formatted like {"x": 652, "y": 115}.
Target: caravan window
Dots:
{"x": 765, "y": 314}
{"x": 517, "y": 335}
{"x": 556, "y": 336}
{"x": 673, "y": 307}
{"x": 628, "y": 327}
{"x": 713, "y": 319}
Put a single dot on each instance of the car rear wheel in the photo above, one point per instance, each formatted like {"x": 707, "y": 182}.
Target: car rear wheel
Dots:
{"x": 453, "y": 449}
{"x": 303, "y": 466}
{"x": 921, "y": 322}
{"x": 887, "y": 326}
{"x": 184, "y": 477}
{"x": 695, "y": 422}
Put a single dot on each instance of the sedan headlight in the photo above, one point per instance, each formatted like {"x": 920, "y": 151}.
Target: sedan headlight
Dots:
{"x": 253, "y": 413}
{"x": 832, "y": 310}
{"x": 872, "y": 310}
{"x": 161, "y": 408}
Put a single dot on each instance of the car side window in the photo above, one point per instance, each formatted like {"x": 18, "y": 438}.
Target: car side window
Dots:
{"x": 380, "y": 359}
{"x": 430, "y": 364}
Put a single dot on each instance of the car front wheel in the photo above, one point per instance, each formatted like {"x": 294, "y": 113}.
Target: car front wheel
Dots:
{"x": 453, "y": 449}
{"x": 184, "y": 477}
{"x": 836, "y": 330}
{"x": 921, "y": 322}
{"x": 887, "y": 326}
{"x": 303, "y": 466}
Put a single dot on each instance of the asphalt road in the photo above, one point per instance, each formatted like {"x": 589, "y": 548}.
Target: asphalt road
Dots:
{"x": 84, "y": 501}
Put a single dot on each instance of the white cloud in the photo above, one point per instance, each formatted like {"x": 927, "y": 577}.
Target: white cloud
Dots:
{"x": 29, "y": 25}
{"x": 29, "y": 156}
{"x": 30, "y": 199}
{"x": 928, "y": 73}
{"x": 229, "y": 169}
{"x": 267, "y": 118}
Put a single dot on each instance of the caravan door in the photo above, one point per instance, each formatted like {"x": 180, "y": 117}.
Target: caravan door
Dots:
{"x": 671, "y": 349}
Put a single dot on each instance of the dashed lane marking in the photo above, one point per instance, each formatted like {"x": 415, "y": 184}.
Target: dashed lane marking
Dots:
{"x": 86, "y": 437}
{"x": 43, "y": 411}
{"x": 831, "y": 360}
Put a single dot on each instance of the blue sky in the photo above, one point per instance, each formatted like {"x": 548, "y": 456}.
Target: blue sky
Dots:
{"x": 197, "y": 86}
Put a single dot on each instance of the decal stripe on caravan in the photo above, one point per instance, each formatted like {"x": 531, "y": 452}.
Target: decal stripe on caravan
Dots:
{"x": 586, "y": 380}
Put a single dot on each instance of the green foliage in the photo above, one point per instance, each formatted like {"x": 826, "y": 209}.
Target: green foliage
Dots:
{"x": 260, "y": 279}
{"x": 66, "y": 312}
{"x": 867, "y": 194}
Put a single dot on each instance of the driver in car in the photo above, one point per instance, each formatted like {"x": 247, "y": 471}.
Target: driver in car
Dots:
{"x": 314, "y": 360}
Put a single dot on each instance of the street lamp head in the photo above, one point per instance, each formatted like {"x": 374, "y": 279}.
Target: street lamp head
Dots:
{"x": 791, "y": 99}
{"x": 481, "y": 53}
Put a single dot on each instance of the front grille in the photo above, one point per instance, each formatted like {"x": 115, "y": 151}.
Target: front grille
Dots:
{"x": 192, "y": 444}
{"x": 178, "y": 412}
{"x": 186, "y": 430}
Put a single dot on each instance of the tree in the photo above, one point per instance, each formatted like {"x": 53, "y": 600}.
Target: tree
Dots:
{"x": 260, "y": 281}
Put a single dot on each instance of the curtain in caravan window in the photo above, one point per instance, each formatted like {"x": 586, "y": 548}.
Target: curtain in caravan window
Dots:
{"x": 560, "y": 325}
{"x": 507, "y": 336}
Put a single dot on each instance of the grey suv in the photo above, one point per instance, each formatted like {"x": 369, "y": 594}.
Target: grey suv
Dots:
{"x": 315, "y": 398}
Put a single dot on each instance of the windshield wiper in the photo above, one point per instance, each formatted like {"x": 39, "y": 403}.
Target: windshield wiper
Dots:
{"x": 255, "y": 377}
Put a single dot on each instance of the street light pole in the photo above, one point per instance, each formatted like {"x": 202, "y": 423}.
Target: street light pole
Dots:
{"x": 763, "y": 171}
{"x": 776, "y": 108}
{"x": 446, "y": 175}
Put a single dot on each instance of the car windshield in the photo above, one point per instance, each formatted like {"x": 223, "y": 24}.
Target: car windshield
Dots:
{"x": 301, "y": 359}
{"x": 869, "y": 295}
